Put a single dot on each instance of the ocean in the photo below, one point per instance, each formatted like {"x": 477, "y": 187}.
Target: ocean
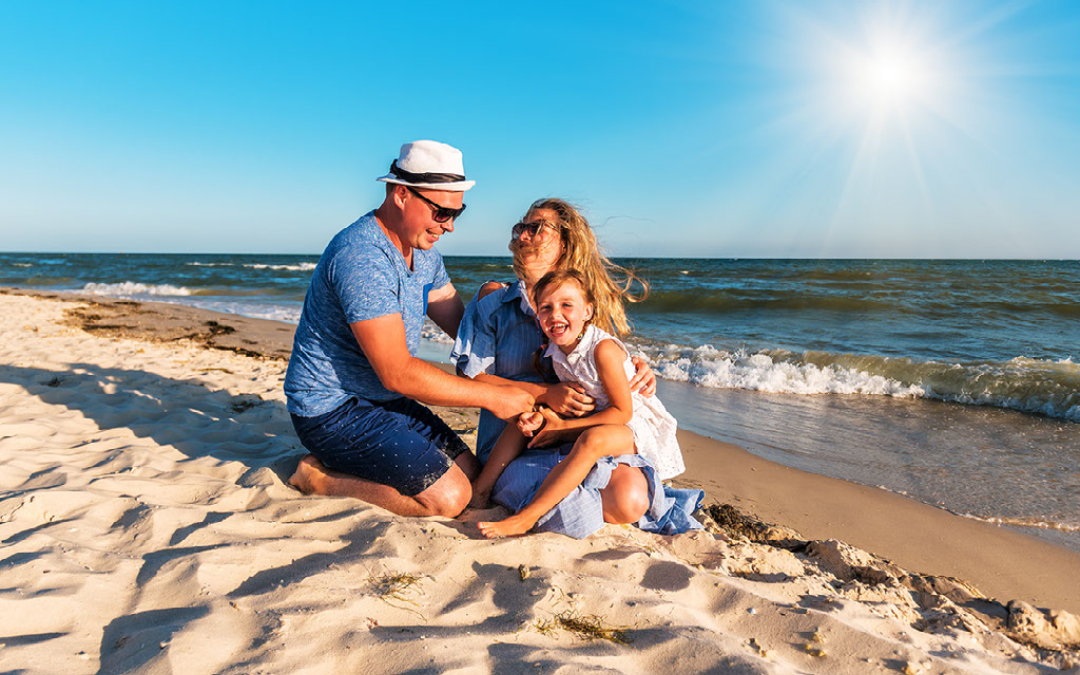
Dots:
{"x": 954, "y": 382}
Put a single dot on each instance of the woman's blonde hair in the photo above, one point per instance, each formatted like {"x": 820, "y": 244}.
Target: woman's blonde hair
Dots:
{"x": 607, "y": 283}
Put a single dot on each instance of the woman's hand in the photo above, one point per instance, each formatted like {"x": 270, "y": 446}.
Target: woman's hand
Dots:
{"x": 644, "y": 380}
{"x": 570, "y": 399}
{"x": 549, "y": 430}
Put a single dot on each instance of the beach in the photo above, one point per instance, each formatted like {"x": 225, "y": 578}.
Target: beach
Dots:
{"x": 954, "y": 383}
{"x": 148, "y": 527}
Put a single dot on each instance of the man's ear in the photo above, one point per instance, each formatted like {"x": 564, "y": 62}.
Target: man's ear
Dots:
{"x": 400, "y": 192}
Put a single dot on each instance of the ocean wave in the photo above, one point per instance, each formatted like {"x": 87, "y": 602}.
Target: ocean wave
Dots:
{"x": 709, "y": 367}
{"x": 202, "y": 264}
{"x": 1048, "y": 388}
{"x": 719, "y": 301}
{"x": 287, "y": 314}
{"x": 431, "y": 331}
{"x": 302, "y": 267}
{"x": 131, "y": 288}
{"x": 1025, "y": 522}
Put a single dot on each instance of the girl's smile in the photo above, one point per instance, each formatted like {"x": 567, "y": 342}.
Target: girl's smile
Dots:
{"x": 563, "y": 312}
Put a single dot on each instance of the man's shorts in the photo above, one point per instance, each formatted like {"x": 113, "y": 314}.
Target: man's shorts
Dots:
{"x": 399, "y": 443}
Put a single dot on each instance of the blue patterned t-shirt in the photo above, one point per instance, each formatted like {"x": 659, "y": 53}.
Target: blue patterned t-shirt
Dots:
{"x": 360, "y": 276}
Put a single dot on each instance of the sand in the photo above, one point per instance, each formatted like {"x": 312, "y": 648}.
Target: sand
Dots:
{"x": 147, "y": 527}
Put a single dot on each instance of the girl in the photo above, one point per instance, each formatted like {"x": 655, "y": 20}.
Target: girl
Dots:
{"x": 625, "y": 423}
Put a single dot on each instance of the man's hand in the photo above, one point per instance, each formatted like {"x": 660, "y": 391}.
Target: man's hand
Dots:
{"x": 510, "y": 402}
{"x": 569, "y": 399}
{"x": 644, "y": 380}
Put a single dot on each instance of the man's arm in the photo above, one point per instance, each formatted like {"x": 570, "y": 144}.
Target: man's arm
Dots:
{"x": 383, "y": 342}
{"x": 445, "y": 308}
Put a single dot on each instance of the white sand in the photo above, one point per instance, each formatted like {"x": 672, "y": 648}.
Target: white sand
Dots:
{"x": 145, "y": 527}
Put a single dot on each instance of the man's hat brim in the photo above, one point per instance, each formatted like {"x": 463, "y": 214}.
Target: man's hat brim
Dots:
{"x": 459, "y": 186}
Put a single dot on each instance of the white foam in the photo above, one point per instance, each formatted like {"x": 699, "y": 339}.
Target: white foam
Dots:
{"x": 1026, "y": 385}
{"x": 302, "y": 267}
{"x": 432, "y": 332}
{"x": 709, "y": 367}
{"x": 131, "y": 288}
{"x": 254, "y": 310}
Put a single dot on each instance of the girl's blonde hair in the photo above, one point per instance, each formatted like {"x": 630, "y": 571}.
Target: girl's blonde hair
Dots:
{"x": 607, "y": 283}
{"x": 557, "y": 278}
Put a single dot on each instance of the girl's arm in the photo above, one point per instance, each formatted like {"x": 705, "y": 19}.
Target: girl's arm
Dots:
{"x": 609, "y": 358}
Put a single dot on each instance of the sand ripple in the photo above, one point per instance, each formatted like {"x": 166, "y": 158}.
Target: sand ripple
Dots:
{"x": 146, "y": 527}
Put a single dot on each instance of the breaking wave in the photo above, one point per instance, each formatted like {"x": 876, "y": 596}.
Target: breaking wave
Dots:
{"x": 301, "y": 267}
{"x": 131, "y": 288}
{"x": 1049, "y": 388}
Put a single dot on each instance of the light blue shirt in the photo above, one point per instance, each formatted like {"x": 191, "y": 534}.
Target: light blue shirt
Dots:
{"x": 361, "y": 275}
{"x": 498, "y": 336}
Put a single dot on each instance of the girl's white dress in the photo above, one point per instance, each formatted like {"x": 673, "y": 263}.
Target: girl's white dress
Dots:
{"x": 653, "y": 426}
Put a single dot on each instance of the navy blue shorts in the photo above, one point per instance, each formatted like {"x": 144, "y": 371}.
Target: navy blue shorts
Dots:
{"x": 399, "y": 443}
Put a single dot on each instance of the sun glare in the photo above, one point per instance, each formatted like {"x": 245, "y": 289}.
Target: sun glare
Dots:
{"x": 891, "y": 77}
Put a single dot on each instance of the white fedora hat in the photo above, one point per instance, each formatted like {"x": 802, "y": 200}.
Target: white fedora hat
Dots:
{"x": 429, "y": 165}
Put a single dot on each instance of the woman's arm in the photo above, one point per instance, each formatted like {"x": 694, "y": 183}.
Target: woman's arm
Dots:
{"x": 609, "y": 358}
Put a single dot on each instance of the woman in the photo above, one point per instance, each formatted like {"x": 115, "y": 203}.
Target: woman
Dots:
{"x": 498, "y": 342}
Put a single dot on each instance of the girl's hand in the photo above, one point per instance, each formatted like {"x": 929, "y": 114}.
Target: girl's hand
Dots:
{"x": 549, "y": 432}
{"x": 528, "y": 423}
{"x": 644, "y": 380}
{"x": 569, "y": 399}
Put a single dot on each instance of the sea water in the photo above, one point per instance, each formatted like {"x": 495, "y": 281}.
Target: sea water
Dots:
{"x": 954, "y": 382}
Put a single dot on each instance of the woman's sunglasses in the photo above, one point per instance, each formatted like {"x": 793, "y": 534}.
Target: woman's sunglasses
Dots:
{"x": 440, "y": 214}
{"x": 532, "y": 228}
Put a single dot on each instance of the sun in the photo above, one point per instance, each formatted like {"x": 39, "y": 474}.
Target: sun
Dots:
{"x": 889, "y": 77}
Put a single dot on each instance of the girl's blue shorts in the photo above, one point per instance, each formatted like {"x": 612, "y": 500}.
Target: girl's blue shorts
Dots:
{"x": 399, "y": 443}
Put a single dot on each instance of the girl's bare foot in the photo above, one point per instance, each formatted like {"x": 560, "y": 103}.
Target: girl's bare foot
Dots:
{"x": 511, "y": 527}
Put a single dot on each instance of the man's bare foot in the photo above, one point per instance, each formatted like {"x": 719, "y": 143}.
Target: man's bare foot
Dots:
{"x": 480, "y": 500}
{"x": 309, "y": 475}
{"x": 471, "y": 515}
{"x": 511, "y": 527}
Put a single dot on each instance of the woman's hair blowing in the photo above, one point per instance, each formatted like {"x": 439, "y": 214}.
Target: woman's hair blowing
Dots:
{"x": 607, "y": 283}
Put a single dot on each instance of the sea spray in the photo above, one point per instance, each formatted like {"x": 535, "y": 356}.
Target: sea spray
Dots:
{"x": 1050, "y": 388}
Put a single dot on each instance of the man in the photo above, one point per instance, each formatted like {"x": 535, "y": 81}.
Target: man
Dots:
{"x": 354, "y": 385}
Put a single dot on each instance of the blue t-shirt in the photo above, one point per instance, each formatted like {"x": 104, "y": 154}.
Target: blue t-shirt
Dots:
{"x": 360, "y": 276}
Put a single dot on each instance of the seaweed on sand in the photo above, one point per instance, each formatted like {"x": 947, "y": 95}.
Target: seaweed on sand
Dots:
{"x": 587, "y": 627}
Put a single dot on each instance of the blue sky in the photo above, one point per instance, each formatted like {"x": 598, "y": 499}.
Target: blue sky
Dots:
{"x": 717, "y": 129}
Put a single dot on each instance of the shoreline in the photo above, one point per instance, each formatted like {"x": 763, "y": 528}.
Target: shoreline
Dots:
{"x": 1000, "y": 562}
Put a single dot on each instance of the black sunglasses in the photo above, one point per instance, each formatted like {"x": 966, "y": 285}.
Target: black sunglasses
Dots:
{"x": 532, "y": 228}
{"x": 439, "y": 213}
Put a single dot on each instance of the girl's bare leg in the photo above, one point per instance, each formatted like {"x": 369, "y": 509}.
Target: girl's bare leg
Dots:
{"x": 594, "y": 443}
{"x": 510, "y": 445}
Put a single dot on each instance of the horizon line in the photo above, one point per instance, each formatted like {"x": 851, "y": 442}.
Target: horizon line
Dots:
{"x": 508, "y": 257}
